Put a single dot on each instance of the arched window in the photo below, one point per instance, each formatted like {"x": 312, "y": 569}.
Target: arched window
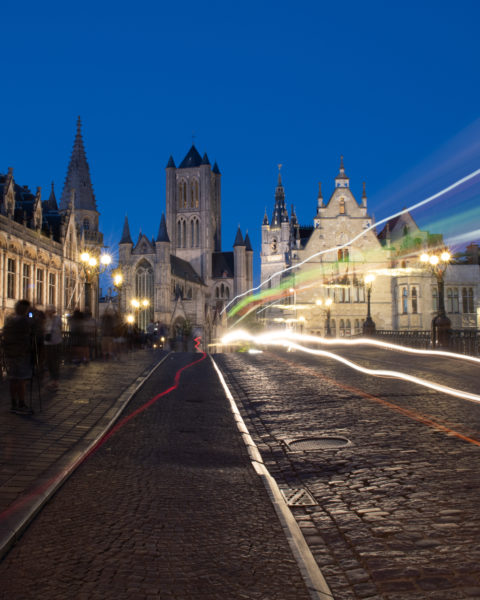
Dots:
{"x": 452, "y": 300}
{"x": 357, "y": 326}
{"x": 182, "y": 194}
{"x": 342, "y": 206}
{"x": 181, "y": 233}
{"x": 217, "y": 293}
{"x": 467, "y": 300}
{"x": 192, "y": 234}
{"x": 184, "y": 234}
{"x": 86, "y": 224}
{"x": 192, "y": 194}
{"x": 144, "y": 290}
{"x": 222, "y": 291}
{"x": 414, "y": 301}
{"x": 333, "y": 328}
{"x": 197, "y": 194}
{"x": 342, "y": 328}
{"x": 405, "y": 300}
{"x": 194, "y": 230}
{"x": 197, "y": 233}
{"x": 227, "y": 290}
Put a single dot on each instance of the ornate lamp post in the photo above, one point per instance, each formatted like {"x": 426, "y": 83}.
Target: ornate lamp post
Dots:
{"x": 117, "y": 278}
{"x": 441, "y": 324}
{"x": 369, "y": 325}
{"x": 93, "y": 266}
{"x": 328, "y": 304}
{"x": 138, "y": 304}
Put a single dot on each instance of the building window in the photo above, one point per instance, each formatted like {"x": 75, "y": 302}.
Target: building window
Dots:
{"x": 467, "y": 300}
{"x": 39, "y": 287}
{"x": 197, "y": 195}
{"x": 435, "y": 299}
{"x": 197, "y": 233}
{"x": 342, "y": 328}
{"x": 414, "y": 301}
{"x": 52, "y": 285}
{"x": 10, "y": 278}
{"x": 26, "y": 282}
{"x": 192, "y": 234}
{"x": 342, "y": 206}
{"x": 452, "y": 300}
{"x": 86, "y": 224}
{"x": 357, "y": 326}
{"x": 333, "y": 328}
{"x": 144, "y": 290}
{"x": 181, "y": 233}
{"x": 182, "y": 194}
{"x": 348, "y": 328}
{"x": 359, "y": 293}
{"x": 404, "y": 300}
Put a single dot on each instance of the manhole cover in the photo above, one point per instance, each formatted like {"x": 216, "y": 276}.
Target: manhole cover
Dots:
{"x": 319, "y": 443}
{"x": 298, "y": 497}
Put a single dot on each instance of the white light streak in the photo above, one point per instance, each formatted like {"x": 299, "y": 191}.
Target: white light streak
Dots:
{"x": 445, "y": 190}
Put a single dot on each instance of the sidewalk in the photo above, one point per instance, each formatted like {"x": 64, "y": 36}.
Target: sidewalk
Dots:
{"x": 38, "y": 451}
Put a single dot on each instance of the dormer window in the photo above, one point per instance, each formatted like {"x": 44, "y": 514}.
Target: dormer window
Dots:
{"x": 342, "y": 206}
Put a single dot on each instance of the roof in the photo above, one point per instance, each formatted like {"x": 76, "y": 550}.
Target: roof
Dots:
{"x": 248, "y": 243}
{"x": 182, "y": 268}
{"x": 162, "y": 231}
{"x": 171, "y": 163}
{"x": 238, "y": 239}
{"x": 192, "y": 159}
{"x": 126, "y": 237}
{"x": 222, "y": 262}
{"x": 215, "y": 169}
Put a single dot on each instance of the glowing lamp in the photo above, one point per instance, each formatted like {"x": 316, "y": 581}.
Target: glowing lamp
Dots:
{"x": 130, "y": 319}
{"x": 369, "y": 278}
{"x": 118, "y": 279}
{"x": 434, "y": 260}
{"x": 445, "y": 256}
{"x": 105, "y": 259}
{"x": 319, "y": 302}
{"x": 85, "y": 257}
{"x": 135, "y": 303}
{"x": 145, "y": 302}
{"x": 328, "y": 301}
{"x": 92, "y": 262}
{"x": 424, "y": 257}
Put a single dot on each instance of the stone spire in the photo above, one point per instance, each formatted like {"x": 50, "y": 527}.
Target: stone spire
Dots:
{"x": 342, "y": 180}
{"x": 78, "y": 177}
{"x": 280, "y": 214}
{"x": 126, "y": 237}
{"x": 162, "y": 231}
{"x": 51, "y": 203}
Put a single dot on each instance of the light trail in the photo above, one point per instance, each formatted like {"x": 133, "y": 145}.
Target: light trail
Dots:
{"x": 287, "y": 337}
{"x": 278, "y": 340}
{"x": 411, "y": 208}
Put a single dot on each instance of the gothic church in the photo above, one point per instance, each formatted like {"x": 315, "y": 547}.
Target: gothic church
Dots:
{"x": 182, "y": 278}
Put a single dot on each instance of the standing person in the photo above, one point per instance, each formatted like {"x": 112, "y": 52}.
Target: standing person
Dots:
{"x": 107, "y": 327}
{"x": 78, "y": 337}
{"x": 90, "y": 326}
{"x": 17, "y": 345}
{"x": 53, "y": 345}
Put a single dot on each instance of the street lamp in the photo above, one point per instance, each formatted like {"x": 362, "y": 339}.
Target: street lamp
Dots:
{"x": 328, "y": 304}
{"x": 93, "y": 265}
{"x": 441, "y": 324}
{"x": 139, "y": 304}
{"x": 369, "y": 325}
{"x": 117, "y": 279}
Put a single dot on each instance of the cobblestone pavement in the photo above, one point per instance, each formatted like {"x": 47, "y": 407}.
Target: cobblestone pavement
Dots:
{"x": 36, "y": 450}
{"x": 169, "y": 507}
{"x": 396, "y": 514}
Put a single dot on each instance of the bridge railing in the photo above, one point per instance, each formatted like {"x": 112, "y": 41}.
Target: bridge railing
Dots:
{"x": 462, "y": 341}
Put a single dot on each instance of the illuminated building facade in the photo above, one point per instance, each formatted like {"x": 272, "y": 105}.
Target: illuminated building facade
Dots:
{"x": 404, "y": 292}
{"x": 183, "y": 273}
{"x": 40, "y": 243}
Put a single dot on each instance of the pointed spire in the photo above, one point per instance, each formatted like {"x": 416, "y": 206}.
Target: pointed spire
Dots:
{"x": 320, "y": 197}
{"x": 205, "y": 160}
{"x": 126, "y": 238}
{"x": 238, "y": 238}
{"x": 265, "y": 218}
{"x": 248, "y": 244}
{"x": 342, "y": 180}
{"x": 78, "y": 177}
{"x": 215, "y": 169}
{"x": 162, "y": 230}
{"x": 280, "y": 214}
{"x": 364, "y": 194}
{"x": 171, "y": 163}
{"x": 192, "y": 159}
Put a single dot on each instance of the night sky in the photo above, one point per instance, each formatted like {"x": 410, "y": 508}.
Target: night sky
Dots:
{"x": 394, "y": 87}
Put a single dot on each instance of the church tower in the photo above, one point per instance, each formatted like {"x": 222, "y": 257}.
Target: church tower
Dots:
{"x": 275, "y": 254}
{"x": 78, "y": 186}
{"x": 194, "y": 210}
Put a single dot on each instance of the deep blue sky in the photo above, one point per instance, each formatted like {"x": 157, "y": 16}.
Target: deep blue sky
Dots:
{"x": 259, "y": 83}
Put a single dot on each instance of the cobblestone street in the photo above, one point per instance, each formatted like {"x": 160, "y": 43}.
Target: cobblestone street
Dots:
{"x": 396, "y": 514}
{"x": 168, "y": 508}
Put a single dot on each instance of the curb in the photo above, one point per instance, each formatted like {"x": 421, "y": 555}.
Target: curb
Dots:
{"x": 315, "y": 581}
{"x": 20, "y": 515}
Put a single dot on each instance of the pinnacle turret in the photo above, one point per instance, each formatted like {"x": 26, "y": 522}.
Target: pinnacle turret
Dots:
{"x": 280, "y": 214}
{"x": 162, "y": 231}
{"x": 126, "y": 237}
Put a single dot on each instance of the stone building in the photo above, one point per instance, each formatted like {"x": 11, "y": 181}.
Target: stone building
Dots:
{"x": 182, "y": 278}
{"x": 40, "y": 243}
{"x": 404, "y": 293}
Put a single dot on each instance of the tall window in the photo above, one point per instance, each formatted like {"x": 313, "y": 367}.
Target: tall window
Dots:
{"x": 342, "y": 206}
{"x": 26, "y": 281}
{"x": 452, "y": 300}
{"x": 414, "y": 301}
{"x": 39, "y": 287}
{"x": 182, "y": 194}
{"x": 10, "y": 278}
{"x": 435, "y": 299}
{"x": 194, "y": 233}
{"x": 467, "y": 300}
{"x": 348, "y": 328}
{"x": 332, "y": 328}
{"x": 86, "y": 224}
{"x": 404, "y": 300}
{"x": 197, "y": 194}
{"x": 144, "y": 289}
{"x": 342, "y": 328}
{"x": 194, "y": 194}
{"x": 181, "y": 233}
{"x": 52, "y": 284}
